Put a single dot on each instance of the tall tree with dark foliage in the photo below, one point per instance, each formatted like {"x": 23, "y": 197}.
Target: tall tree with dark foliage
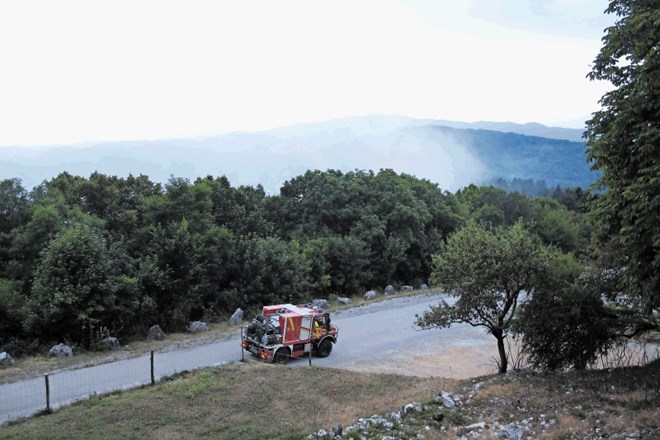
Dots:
{"x": 624, "y": 143}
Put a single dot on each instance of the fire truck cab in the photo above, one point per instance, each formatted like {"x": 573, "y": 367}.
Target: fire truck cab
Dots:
{"x": 285, "y": 330}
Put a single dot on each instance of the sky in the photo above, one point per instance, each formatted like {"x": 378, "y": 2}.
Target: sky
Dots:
{"x": 75, "y": 71}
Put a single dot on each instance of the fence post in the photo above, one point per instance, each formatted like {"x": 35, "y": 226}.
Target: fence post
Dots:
{"x": 153, "y": 378}
{"x": 47, "y": 392}
{"x": 242, "y": 350}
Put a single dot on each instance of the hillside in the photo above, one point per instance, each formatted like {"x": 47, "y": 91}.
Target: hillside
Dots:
{"x": 450, "y": 156}
{"x": 256, "y": 401}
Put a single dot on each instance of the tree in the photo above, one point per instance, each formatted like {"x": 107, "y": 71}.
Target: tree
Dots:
{"x": 623, "y": 142}
{"x": 269, "y": 271}
{"x": 490, "y": 270}
{"x": 14, "y": 205}
{"x": 565, "y": 323}
{"x": 170, "y": 269}
{"x": 494, "y": 205}
{"x": 12, "y": 313}
{"x": 77, "y": 288}
{"x": 237, "y": 209}
{"x": 405, "y": 218}
{"x": 556, "y": 225}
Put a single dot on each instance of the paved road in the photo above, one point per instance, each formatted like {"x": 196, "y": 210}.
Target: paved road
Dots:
{"x": 370, "y": 337}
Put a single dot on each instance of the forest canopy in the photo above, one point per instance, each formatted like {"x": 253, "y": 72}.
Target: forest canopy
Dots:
{"x": 80, "y": 255}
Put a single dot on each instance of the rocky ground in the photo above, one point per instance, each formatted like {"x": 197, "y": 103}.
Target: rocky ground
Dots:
{"x": 612, "y": 404}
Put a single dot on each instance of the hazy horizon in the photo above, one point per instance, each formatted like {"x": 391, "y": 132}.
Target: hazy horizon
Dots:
{"x": 79, "y": 72}
{"x": 448, "y": 156}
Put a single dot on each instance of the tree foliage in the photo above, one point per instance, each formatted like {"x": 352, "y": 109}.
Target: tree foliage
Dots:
{"x": 624, "y": 143}
{"x": 565, "y": 323}
{"x": 76, "y": 287}
{"x": 488, "y": 271}
{"x": 79, "y": 254}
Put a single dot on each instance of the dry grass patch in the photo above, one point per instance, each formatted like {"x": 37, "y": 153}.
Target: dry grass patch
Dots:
{"x": 570, "y": 424}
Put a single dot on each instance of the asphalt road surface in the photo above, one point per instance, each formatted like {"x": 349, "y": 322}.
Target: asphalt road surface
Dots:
{"x": 378, "y": 337}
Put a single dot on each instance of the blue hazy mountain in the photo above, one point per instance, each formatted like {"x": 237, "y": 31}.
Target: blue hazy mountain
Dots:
{"x": 452, "y": 154}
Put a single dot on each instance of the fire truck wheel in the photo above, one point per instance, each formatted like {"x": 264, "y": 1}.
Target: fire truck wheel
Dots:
{"x": 281, "y": 356}
{"x": 324, "y": 348}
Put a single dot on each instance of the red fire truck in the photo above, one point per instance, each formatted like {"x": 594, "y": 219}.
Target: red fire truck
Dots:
{"x": 284, "y": 331}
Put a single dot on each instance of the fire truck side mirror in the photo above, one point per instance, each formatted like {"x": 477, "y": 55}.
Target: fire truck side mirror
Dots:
{"x": 327, "y": 321}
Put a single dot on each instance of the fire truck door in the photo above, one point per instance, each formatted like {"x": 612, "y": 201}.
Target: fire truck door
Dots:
{"x": 305, "y": 327}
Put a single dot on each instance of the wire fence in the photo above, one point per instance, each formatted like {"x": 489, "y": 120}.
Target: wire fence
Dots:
{"x": 59, "y": 388}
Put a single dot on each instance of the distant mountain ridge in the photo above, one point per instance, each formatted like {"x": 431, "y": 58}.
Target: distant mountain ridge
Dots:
{"x": 528, "y": 129}
{"x": 452, "y": 154}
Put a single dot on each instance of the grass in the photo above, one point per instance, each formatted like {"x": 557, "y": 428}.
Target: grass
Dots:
{"x": 253, "y": 401}
{"x": 244, "y": 400}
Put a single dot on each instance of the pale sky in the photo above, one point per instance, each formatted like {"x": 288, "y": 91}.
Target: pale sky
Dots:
{"x": 74, "y": 71}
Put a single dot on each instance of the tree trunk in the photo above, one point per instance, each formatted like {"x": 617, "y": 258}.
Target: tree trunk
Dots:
{"x": 500, "y": 348}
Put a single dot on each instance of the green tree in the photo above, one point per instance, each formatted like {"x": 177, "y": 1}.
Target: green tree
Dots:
{"x": 237, "y": 209}
{"x": 215, "y": 254}
{"x": 348, "y": 259}
{"x": 337, "y": 265}
{"x": 14, "y": 205}
{"x": 398, "y": 220}
{"x": 623, "y": 142}
{"x": 489, "y": 271}
{"x": 320, "y": 204}
{"x": 169, "y": 271}
{"x": 77, "y": 288}
{"x": 405, "y": 217}
{"x": 269, "y": 271}
{"x": 556, "y": 225}
{"x": 25, "y": 243}
{"x": 565, "y": 323}
{"x": 119, "y": 202}
{"x": 494, "y": 205}
{"x": 12, "y": 314}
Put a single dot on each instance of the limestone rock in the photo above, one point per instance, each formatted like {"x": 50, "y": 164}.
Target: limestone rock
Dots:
{"x": 110, "y": 343}
{"x": 237, "y": 317}
{"x": 447, "y": 400}
{"x": 61, "y": 351}
{"x": 412, "y": 408}
{"x": 369, "y": 295}
{"x": 155, "y": 333}
{"x": 344, "y": 300}
{"x": 6, "y": 360}
{"x": 389, "y": 290}
{"x": 322, "y": 304}
{"x": 197, "y": 327}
